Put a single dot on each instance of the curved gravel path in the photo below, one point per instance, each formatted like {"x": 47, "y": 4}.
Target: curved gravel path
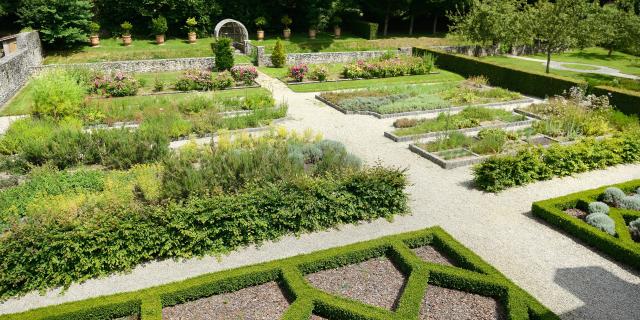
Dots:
{"x": 566, "y": 276}
{"x": 564, "y": 66}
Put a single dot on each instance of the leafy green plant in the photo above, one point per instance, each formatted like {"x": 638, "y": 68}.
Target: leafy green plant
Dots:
{"x": 159, "y": 25}
{"x": 260, "y": 22}
{"x": 279, "y": 57}
{"x": 223, "y": 80}
{"x": 223, "y": 53}
{"x": 126, "y": 28}
{"x": 94, "y": 28}
{"x": 57, "y": 94}
{"x": 192, "y": 24}
{"x": 286, "y": 21}
{"x": 61, "y": 23}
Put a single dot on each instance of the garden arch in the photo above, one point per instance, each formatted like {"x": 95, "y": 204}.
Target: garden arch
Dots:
{"x": 232, "y": 29}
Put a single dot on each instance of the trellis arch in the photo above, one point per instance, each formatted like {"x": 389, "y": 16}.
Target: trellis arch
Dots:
{"x": 232, "y": 29}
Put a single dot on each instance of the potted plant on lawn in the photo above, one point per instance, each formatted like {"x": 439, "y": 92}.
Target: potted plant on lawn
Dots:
{"x": 313, "y": 28}
{"x": 261, "y": 22}
{"x": 337, "y": 31}
{"x": 126, "y": 33}
{"x": 286, "y": 21}
{"x": 159, "y": 26}
{"x": 94, "y": 27}
{"x": 192, "y": 23}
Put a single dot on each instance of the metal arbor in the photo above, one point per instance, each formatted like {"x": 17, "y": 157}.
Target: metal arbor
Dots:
{"x": 233, "y": 29}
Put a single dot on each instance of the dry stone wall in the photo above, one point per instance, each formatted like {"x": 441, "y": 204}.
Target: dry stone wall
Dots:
{"x": 17, "y": 67}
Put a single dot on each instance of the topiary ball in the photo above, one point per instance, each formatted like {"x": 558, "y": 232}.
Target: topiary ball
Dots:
{"x": 630, "y": 203}
{"x": 612, "y": 195}
{"x": 602, "y": 222}
{"x": 598, "y": 207}
{"x": 634, "y": 229}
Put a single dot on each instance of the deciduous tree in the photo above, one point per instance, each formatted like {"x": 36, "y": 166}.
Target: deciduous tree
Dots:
{"x": 61, "y": 23}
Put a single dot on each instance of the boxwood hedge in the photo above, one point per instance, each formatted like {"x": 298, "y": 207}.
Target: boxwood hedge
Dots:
{"x": 620, "y": 247}
{"x": 474, "y": 276}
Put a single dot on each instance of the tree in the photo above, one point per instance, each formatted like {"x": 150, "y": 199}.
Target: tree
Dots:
{"x": 223, "y": 53}
{"x": 62, "y": 23}
{"x": 279, "y": 57}
{"x": 386, "y": 8}
{"x": 618, "y": 28}
{"x": 563, "y": 24}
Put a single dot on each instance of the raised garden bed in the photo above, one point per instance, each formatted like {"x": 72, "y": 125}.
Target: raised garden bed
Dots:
{"x": 568, "y": 214}
{"x": 429, "y": 291}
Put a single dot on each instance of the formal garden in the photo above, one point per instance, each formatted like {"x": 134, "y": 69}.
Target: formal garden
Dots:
{"x": 320, "y": 160}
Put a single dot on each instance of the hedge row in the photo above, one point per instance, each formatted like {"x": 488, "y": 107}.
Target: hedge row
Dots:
{"x": 368, "y": 30}
{"x": 621, "y": 247}
{"x": 527, "y": 82}
{"x": 289, "y": 273}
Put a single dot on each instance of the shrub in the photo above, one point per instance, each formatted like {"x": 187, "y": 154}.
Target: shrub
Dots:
{"x": 159, "y": 25}
{"x": 630, "y": 203}
{"x": 195, "y": 80}
{"x": 368, "y": 30}
{"x": 286, "y": 21}
{"x": 126, "y": 28}
{"x": 117, "y": 84}
{"x": 491, "y": 141}
{"x": 634, "y": 229}
{"x": 598, "y": 207}
{"x": 405, "y": 123}
{"x": 223, "y": 53}
{"x": 94, "y": 28}
{"x": 319, "y": 73}
{"x": 192, "y": 25}
{"x": 223, "y": 80}
{"x": 279, "y": 56}
{"x": 244, "y": 74}
{"x": 61, "y": 23}
{"x": 158, "y": 85}
{"x": 613, "y": 196}
{"x": 393, "y": 66}
{"x": 602, "y": 222}
{"x": 56, "y": 94}
{"x": 298, "y": 72}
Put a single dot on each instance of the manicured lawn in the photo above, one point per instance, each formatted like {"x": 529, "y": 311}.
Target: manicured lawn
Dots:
{"x": 626, "y": 63}
{"x": 20, "y": 103}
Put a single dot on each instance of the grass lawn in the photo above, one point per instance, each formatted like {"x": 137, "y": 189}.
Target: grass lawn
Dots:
{"x": 592, "y": 78}
{"x": 626, "y": 63}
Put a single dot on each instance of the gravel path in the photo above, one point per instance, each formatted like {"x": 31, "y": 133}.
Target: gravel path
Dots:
{"x": 263, "y": 302}
{"x": 563, "y": 66}
{"x": 376, "y": 282}
{"x": 568, "y": 277}
{"x": 447, "y": 304}
{"x": 430, "y": 254}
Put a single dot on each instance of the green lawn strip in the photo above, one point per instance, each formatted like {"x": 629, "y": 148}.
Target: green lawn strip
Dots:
{"x": 579, "y": 66}
{"x": 626, "y": 63}
{"x": 442, "y": 76}
{"x": 307, "y": 299}
{"x": 621, "y": 248}
{"x": 20, "y": 103}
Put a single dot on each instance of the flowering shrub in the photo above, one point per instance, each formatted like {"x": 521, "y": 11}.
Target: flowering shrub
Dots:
{"x": 298, "y": 72}
{"x": 319, "y": 73}
{"x": 386, "y": 67}
{"x": 195, "y": 80}
{"x": 224, "y": 80}
{"x": 117, "y": 84}
{"x": 244, "y": 74}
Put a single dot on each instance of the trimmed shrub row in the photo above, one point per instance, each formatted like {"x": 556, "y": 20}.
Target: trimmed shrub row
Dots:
{"x": 307, "y": 299}
{"x": 368, "y": 30}
{"x": 529, "y": 83}
{"x": 620, "y": 247}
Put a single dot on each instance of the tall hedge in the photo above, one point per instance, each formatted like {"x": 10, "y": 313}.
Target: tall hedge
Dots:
{"x": 368, "y": 30}
{"x": 529, "y": 83}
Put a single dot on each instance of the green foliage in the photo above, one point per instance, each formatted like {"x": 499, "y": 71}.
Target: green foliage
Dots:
{"x": 159, "y": 25}
{"x": 192, "y": 24}
{"x": 613, "y": 196}
{"x": 634, "y": 229}
{"x": 630, "y": 203}
{"x": 598, "y": 207}
{"x": 126, "y": 28}
{"x": 57, "y": 94}
{"x": 61, "y": 23}
{"x": 260, "y": 22}
{"x": 368, "y": 30}
{"x": 602, "y": 222}
{"x": 94, "y": 28}
{"x": 223, "y": 80}
{"x": 617, "y": 28}
{"x": 286, "y": 21}
{"x": 223, "y": 53}
{"x": 279, "y": 56}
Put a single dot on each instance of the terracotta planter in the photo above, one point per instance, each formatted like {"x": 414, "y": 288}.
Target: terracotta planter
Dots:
{"x": 192, "y": 37}
{"x": 260, "y": 35}
{"x": 160, "y": 39}
{"x": 94, "y": 40}
{"x": 126, "y": 40}
{"x": 337, "y": 32}
{"x": 312, "y": 33}
{"x": 286, "y": 33}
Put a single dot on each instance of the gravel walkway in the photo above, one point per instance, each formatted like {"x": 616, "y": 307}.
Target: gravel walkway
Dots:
{"x": 263, "y": 302}
{"x": 565, "y": 275}
{"x": 563, "y": 66}
{"x": 447, "y": 304}
{"x": 430, "y": 254}
{"x": 376, "y": 282}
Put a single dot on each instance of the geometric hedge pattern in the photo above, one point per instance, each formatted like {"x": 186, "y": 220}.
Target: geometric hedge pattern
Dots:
{"x": 471, "y": 274}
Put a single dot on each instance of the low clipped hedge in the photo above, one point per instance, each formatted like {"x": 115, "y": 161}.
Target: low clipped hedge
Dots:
{"x": 527, "y": 82}
{"x": 306, "y": 299}
{"x": 620, "y": 247}
{"x": 365, "y": 29}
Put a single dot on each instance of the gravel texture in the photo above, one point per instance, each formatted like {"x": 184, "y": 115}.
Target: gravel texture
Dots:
{"x": 576, "y": 213}
{"x": 447, "y": 304}
{"x": 263, "y": 302}
{"x": 431, "y": 254}
{"x": 570, "y": 278}
{"x": 376, "y": 282}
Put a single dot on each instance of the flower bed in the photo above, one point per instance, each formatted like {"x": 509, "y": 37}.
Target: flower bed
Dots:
{"x": 198, "y": 201}
{"x": 471, "y": 277}
{"x": 606, "y": 218}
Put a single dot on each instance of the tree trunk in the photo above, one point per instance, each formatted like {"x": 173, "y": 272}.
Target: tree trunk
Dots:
{"x": 386, "y": 20}
{"x": 610, "y": 52}
{"x": 411, "y": 21}
{"x": 435, "y": 24}
{"x": 548, "y": 59}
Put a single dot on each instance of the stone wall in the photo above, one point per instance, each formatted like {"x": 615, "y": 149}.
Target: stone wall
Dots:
{"x": 17, "y": 67}
{"x": 156, "y": 65}
{"x": 325, "y": 57}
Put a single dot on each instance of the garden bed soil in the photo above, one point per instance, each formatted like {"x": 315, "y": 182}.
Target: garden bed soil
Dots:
{"x": 423, "y": 112}
{"x": 263, "y": 302}
{"x": 315, "y": 317}
{"x": 576, "y": 213}
{"x": 376, "y": 282}
{"x": 431, "y": 254}
{"x": 448, "y": 304}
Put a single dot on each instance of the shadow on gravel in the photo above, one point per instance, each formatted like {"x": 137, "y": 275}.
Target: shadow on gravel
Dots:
{"x": 604, "y": 295}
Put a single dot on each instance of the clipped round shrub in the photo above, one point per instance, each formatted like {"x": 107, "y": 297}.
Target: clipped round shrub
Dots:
{"x": 598, "y": 207}
{"x": 630, "y": 203}
{"x": 634, "y": 229}
{"x": 613, "y": 195}
{"x": 57, "y": 94}
{"x": 602, "y": 222}
{"x": 279, "y": 56}
{"x": 405, "y": 123}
